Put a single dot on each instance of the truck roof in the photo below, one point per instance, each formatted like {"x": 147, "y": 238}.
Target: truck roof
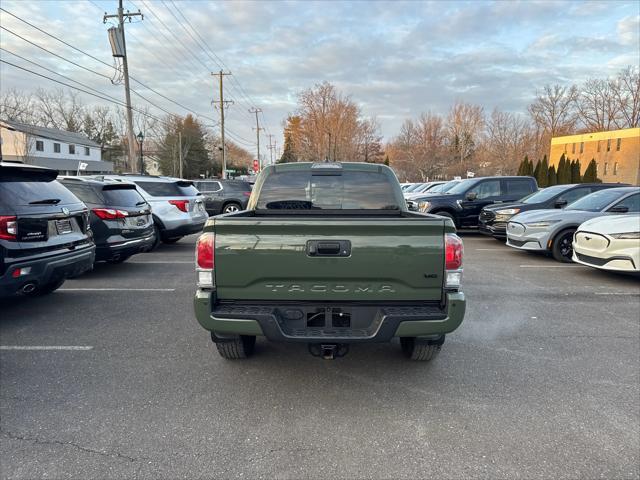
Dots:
{"x": 351, "y": 166}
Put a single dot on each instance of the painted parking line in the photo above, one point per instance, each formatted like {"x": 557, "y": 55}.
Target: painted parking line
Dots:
{"x": 45, "y": 347}
{"x": 492, "y": 250}
{"x": 618, "y": 293}
{"x": 191, "y": 262}
{"x": 551, "y": 266}
{"x": 117, "y": 290}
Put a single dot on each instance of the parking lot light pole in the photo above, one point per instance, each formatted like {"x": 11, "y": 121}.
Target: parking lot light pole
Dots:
{"x": 140, "y": 140}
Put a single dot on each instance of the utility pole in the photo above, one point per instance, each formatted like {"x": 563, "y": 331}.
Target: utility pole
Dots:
{"x": 180, "y": 151}
{"x": 271, "y": 146}
{"x": 125, "y": 71}
{"x": 257, "y": 129}
{"x": 223, "y": 103}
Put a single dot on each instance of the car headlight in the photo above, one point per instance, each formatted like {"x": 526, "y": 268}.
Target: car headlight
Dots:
{"x": 508, "y": 211}
{"x": 424, "y": 206}
{"x": 543, "y": 224}
{"x": 627, "y": 236}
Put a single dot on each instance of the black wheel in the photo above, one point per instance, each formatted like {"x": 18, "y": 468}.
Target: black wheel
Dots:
{"x": 448, "y": 215}
{"x": 115, "y": 261}
{"x": 47, "y": 288}
{"x": 236, "y": 348}
{"x": 420, "y": 350}
{"x": 156, "y": 237}
{"x": 171, "y": 240}
{"x": 231, "y": 208}
{"x": 562, "y": 246}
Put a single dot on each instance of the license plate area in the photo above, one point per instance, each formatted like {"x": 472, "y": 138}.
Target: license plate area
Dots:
{"x": 64, "y": 226}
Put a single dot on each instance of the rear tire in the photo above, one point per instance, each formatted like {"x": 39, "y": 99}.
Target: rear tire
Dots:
{"x": 171, "y": 240}
{"x": 231, "y": 208}
{"x": 419, "y": 350}
{"x": 47, "y": 288}
{"x": 242, "y": 346}
{"x": 562, "y": 246}
{"x": 156, "y": 237}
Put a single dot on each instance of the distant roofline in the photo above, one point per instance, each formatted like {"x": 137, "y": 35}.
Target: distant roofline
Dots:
{"x": 596, "y": 136}
{"x": 65, "y": 136}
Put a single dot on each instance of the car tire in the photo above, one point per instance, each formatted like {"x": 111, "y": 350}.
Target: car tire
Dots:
{"x": 237, "y": 348}
{"x": 562, "y": 246}
{"x": 47, "y": 288}
{"x": 171, "y": 240}
{"x": 116, "y": 261}
{"x": 156, "y": 238}
{"x": 448, "y": 215}
{"x": 421, "y": 351}
{"x": 231, "y": 208}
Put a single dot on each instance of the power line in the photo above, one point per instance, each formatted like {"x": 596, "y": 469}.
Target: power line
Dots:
{"x": 94, "y": 58}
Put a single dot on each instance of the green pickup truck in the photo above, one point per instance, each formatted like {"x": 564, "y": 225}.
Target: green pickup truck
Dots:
{"x": 328, "y": 254}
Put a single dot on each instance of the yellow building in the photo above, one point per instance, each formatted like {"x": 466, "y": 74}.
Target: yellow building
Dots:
{"x": 616, "y": 152}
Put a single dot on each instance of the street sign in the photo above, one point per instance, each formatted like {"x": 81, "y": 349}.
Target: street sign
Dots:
{"x": 256, "y": 166}
{"x": 230, "y": 170}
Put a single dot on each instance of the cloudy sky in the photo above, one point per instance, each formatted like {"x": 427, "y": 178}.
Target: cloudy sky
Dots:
{"x": 395, "y": 59}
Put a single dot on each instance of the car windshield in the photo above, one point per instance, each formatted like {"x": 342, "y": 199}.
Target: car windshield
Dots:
{"x": 462, "y": 186}
{"x": 544, "y": 195}
{"x": 413, "y": 188}
{"x": 596, "y": 201}
{"x": 351, "y": 190}
{"x": 168, "y": 189}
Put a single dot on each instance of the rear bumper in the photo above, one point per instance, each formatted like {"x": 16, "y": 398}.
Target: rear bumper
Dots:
{"x": 183, "y": 230}
{"x": 385, "y": 323}
{"x": 126, "y": 248}
{"x": 48, "y": 269}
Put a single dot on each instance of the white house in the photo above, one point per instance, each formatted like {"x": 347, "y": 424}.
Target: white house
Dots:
{"x": 52, "y": 148}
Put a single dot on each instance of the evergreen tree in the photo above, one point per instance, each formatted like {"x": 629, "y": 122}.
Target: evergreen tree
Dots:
{"x": 288, "y": 155}
{"x": 530, "y": 168}
{"x": 522, "y": 167}
{"x": 543, "y": 173}
{"x": 552, "y": 177}
{"x": 564, "y": 171}
{"x": 591, "y": 173}
{"x": 560, "y": 168}
{"x": 575, "y": 172}
{"x": 536, "y": 171}
{"x": 386, "y": 160}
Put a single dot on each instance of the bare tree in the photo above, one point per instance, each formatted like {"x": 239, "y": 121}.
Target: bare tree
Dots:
{"x": 597, "y": 106}
{"x": 626, "y": 91}
{"x": 508, "y": 140}
{"x": 60, "y": 109}
{"x": 553, "y": 109}
{"x": 18, "y": 106}
{"x": 465, "y": 123}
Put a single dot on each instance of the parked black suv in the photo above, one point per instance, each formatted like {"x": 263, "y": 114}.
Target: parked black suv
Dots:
{"x": 44, "y": 231}
{"x": 464, "y": 202}
{"x": 120, "y": 218}
{"x": 494, "y": 218}
{"x": 224, "y": 196}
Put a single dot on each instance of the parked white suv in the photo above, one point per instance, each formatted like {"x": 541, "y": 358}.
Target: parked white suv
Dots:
{"x": 177, "y": 205}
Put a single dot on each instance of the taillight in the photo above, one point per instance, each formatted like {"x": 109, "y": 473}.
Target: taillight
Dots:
{"x": 205, "y": 254}
{"x": 8, "y": 227}
{"x": 453, "y": 253}
{"x": 246, "y": 194}
{"x": 182, "y": 205}
{"x": 109, "y": 213}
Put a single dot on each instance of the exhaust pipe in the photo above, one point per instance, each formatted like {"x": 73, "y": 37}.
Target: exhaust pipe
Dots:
{"x": 28, "y": 288}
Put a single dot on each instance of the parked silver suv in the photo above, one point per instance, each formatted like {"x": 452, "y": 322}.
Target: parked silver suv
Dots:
{"x": 177, "y": 206}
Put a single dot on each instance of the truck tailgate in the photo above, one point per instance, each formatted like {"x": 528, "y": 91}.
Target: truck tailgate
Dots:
{"x": 297, "y": 259}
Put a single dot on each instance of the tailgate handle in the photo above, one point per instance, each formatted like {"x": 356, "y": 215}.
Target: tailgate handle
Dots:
{"x": 321, "y": 248}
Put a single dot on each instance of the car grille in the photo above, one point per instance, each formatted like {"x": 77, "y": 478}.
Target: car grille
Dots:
{"x": 517, "y": 243}
{"x": 487, "y": 216}
{"x": 591, "y": 241}
{"x": 592, "y": 260}
{"x": 515, "y": 228}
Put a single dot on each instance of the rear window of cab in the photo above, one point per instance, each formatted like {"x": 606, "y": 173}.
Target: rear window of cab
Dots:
{"x": 168, "y": 189}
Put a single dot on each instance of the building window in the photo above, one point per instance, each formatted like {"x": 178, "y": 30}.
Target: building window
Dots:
{"x": 573, "y": 148}
{"x": 606, "y": 168}
{"x": 56, "y": 147}
{"x": 618, "y": 143}
{"x": 581, "y": 147}
{"x": 598, "y": 146}
{"x": 615, "y": 168}
{"x": 609, "y": 145}
{"x": 72, "y": 149}
{"x": 39, "y": 145}
{"x": 86, "y": 151}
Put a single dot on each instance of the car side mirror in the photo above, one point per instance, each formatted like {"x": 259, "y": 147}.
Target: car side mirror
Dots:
{"x": 471, "y": 196}
{"x": 619, "y": 209}
{"x": 560, "y": 203}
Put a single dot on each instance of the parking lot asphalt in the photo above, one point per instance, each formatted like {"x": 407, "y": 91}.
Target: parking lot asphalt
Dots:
{"x": 540, "y": 381}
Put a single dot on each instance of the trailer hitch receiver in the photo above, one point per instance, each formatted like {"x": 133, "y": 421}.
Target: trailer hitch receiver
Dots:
{"x": 328, "y": 351}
